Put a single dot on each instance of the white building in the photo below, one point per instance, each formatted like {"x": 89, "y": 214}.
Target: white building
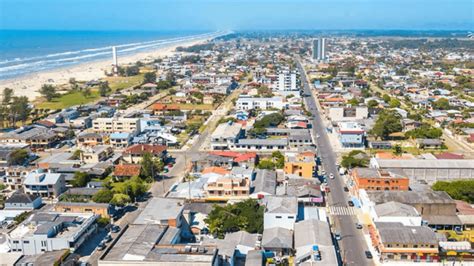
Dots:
{"x": 280, "y": 211}
{"x": 46, "y": 185}
{"x": 225, "y": 135}
{"x": 287, "y": 81}
{"x": 340, "y": 114}
{"x": 248, "y": 103}
{"x": 116, "y": 124}
{"x": 396, "y": 212}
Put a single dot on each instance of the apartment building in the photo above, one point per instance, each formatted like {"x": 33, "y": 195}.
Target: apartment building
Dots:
{"x": 116, "y": 124}
{"x": 375, "y": 179}
{"x": 89, "y": 139}
{"x": 96, "y": 154}
{"x": 280, "y": 211}
{"x": 249, "y": 103}
{"x": 351, "y": 135}
{"x": 50, "y": 231}
{"x": 287, "y": 80}
{"x": 300, "y": 164}
{"x": 14, "y": 177}
{"x": 46, "y": 185}
{"x": 340, "y": 114}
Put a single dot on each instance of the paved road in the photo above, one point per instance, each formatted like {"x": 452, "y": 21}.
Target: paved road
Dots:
{"x": 352, "y": 241}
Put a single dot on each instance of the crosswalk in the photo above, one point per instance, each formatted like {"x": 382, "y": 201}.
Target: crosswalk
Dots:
{"x": 341, "y": 210}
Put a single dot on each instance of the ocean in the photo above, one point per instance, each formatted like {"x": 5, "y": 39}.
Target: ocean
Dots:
{"x": 24, "y": 52}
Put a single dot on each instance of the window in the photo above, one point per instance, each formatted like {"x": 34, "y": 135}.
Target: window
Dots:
{"x": 278, "y": 217}
{"x": 15, "y": 242}
{"x": 291, "y": 217}
{"x": 415, "y": 246}
{"x": 26, "y": 242}
{"x": 43, "y": 243}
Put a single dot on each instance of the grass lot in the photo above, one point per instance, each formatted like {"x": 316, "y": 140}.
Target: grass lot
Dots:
{"x": 190, "y": 106}
{"x": 68, "y": 100}
{"x": 118, "y": 83}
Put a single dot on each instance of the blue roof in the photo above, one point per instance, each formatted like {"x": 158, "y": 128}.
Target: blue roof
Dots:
{"x": 120, "y": 135}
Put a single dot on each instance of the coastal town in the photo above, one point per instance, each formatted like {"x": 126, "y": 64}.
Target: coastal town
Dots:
{"x": 247, "y": 149}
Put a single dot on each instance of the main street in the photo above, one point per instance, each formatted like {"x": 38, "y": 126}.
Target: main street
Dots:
{"x": 352, "y": 241}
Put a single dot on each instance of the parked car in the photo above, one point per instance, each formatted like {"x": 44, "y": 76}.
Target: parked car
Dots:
{"x": 101, "y": 246}
{"x": 359, "y": 226}
{"x": 337, "y": 237}
{"x": 350, "y": 203}
{"x": 115, "y": 229}
{"x": 346, "y": 189}
{"x": 331, "y": 176}
{"x": 368, "y": 254}
{"x": 108, "y": 238}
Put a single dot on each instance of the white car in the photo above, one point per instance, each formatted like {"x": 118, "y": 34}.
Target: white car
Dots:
{"x": 331, "y": 176}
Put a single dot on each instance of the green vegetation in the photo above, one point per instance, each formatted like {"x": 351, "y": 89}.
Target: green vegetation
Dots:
{"x": 18, "y": 157}
{"x": 104, "y": 88}
{"x": 48, "y": 91}
{"x": 150, "y": 167}
{"x": 104, "y": 195}
{"x": 271, "y": 120}
{"x": 196, "y": 48}
{"x": 441, "y": 104}
{"x": 70, "y": 99}
{"x": 103, "y": 221}
{"x": 80, "y": 179}
{"x": 276, "y": 161}
{"x": 372, "y": 104}
{"x": 20, "y": 218}
{"x": 245, "y": 215}
{"x": 459, "y": 189}
{"x": 149, "y": 77}
{"x": 128, "y": 71}
{"x": 425, "y": 131}
{"x": 355, "y": 158}
{"x": 264, "y": 91}
{"x": 388, "y": 122}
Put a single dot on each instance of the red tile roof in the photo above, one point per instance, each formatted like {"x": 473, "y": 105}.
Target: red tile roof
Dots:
{"x": 237, "y": 157}
{"x": 164, "y": 107}
{"x": 449, "y": 156}
{"x": 127, "y": 170}
{"x": 215, "y": 169}
{"x": 143, "y": 148}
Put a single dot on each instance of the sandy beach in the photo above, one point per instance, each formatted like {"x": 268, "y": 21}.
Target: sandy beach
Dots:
{"x": 29, "y": 85}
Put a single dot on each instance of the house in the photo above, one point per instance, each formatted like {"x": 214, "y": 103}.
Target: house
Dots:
{"x": 46, "y": 185}
{"x": 249, "y": 103}
{"x": 38, "y": 138}
{"x": 397, "y": 242}
{"x": 300, "y": 164}
{"x": 375, "y": 179}
{"x": 120, "y": 140}
{"x": 280, "y": 211}
{"x": 264, "y": 184}
{"x": 429, "y": 143}
{"x": 49, "y": 231}
{"x": 313, "y": 243}
{"x": 89, "y": 139}
{"x": 260, "y": 144}
{"x": 160, "y": 108}
{"x": 101, "y": 209}
{"x": 225, "y": 135}
{"x": 96, "y": 154}
{"x": 162, "y": 211}
{"x": 22, "y": 201}
{"x": 134, "y": 153}
{"x": 122, "y": 171}
{"x": 229, "y": 186}
{"x": 396, "y": 212}
{"x": 14, "y": 176}
{"x": 278, "y": 240}
{"x": 351, "y": 135}
{"x": 347, "y": 114}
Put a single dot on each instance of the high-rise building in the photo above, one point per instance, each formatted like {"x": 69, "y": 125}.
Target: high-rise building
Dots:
{"x": 319, "y": 49}
{"x": 287, "y": 80}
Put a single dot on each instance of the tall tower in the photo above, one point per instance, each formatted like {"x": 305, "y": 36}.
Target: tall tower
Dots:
{"x": 114, "y": 60}
{"x": 319, "y": 49}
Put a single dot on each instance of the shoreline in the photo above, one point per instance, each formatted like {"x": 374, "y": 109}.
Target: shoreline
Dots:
{"x": 28, "y": 85}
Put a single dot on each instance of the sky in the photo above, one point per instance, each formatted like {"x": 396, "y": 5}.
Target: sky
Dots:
{"x": 236, "y": 14}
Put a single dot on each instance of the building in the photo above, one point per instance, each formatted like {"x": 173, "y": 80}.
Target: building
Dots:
{"x": 264, "y": 184}
{"x": 300, "y": 164}
{"x": 96, "y": 154}
{"x": 46, "y": 185}
{"x": 14, "y": 177}
{"x": 249, "y": 103}
{"x": 313, "y": 243}
{"x": 375, "y": 179}
{"x": 134, "y": 154}
{"x": 101, "y": 209}
{"x": 230, "y": 186}
{"x": 38, "y": 138}
{"x": 351, "y": 135}
{"x": 280, "y": 211}
{"x": 122, "y": 171}
{"x": 319, "y": 49}
{"x": 287, "y": 81}
{"x": 278, "y": 240}
{"x": 116, "y": 124}
{"x": 397, "y": 242}
{"x": 261, "y": 144}
{"x": 428, "y": 170}
{"x": 22, "y": 201}
{"x": 120, "y": 140}
{"x": 347, "y": 114}
{"x": 225, "y": 135}
{"x": 162, "y": 211}
{"x": 396, "y": 212}
{"x": 89, "y": 139}
{"x": 49, "y": 231}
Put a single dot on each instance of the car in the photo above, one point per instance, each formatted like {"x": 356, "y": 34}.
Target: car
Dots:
{"x": 331, "y": 176}
{"x": 317, "y": 136}
{"x": 323, "y": 172}
{"x": 115, "y": 229}
{"x": 350, "y": 203}
{"x": 359, "y": 226}
{"x": 101, "y": 246}
{"x": 346, "y": 189}
{"x": 368, "y": 254}
{"x": 337, "y": 237}
{"x": 108, "y": 238}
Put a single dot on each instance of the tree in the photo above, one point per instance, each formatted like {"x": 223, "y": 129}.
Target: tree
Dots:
{"x": 458, "y": 190}
{"x": 20, "y": 109}
{"x": 163, "y": 85}
{"x": 245, "y": 215}
{"x": 48, "y": 91}
{"x": 355, "y": 158}
{"x": 372, "y": 104}
{"x": 425, "y": 131}
{"x": 264, "y": 91}
{"x": 104, "y": 88}
{"x": 80, "y": 179}
{"x": 397, "y": 150}
{"x": 120, "y": 199}
{"x": 394, "y": 103}
{"x": 150, "y": 166}
{"x": 388, "y": 122}
{"x": 266, "y": 164}
{"x": 104, "y": 195}
{"x": 7, "y": 96}
{"x": 441, "y": 104}
{"x": 279, "y": 159}
{"x": 149, "y": 77}
{"x": 271, "y": 120}
{"x": 386, "y": 98}
{"x": 86, "y": 92}
{"x": 18, "y": 157}
{"x": 353, "y": 102}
